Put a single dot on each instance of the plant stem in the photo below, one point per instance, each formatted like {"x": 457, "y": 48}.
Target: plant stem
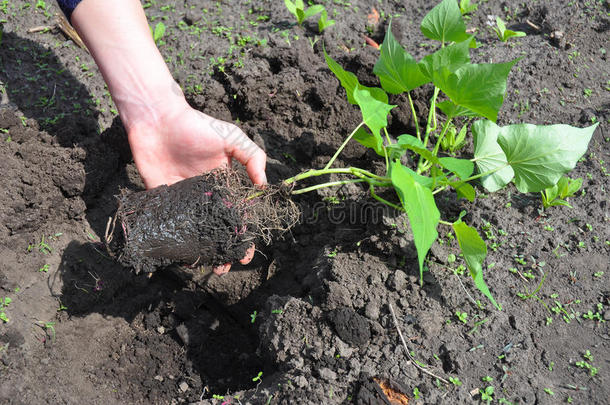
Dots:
{"x": 347, "y": 170}
{"x": 382, "y": 200}
{"x": 441, "y": 136}
{"x": 332, "y": 160}
{"x": 329, "y": 184}
{"x": 414, "y": 115}
{"x": 431, "y": 125}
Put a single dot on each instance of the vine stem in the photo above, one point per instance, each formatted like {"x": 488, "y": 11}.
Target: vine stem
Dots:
{"x": 332, "y": 159}
{"x": 414, "y": 115}
{"x": 346, "y": 170}
{"x": 329, "y": 184}
{"x": 441, "y": 136}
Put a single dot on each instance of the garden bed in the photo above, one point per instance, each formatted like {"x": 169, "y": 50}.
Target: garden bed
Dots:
{"x": 312, "y": 311}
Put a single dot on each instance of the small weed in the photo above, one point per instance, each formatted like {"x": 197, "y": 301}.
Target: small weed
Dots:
{"x": 462, "y": 316}
{"x": 487, "y": 394}
{"x": 455, "y": 381}
{"x": 503, "y": 33}
{"x": 44, "y": 269}
{"x": 253, "y": 316}
{"x": 298, "y": 9}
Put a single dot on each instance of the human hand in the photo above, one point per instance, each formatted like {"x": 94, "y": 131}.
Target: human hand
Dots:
{"x": 180, "y": 142}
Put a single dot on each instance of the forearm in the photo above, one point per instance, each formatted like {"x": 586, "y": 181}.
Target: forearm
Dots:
{"x": 117, "y": 35}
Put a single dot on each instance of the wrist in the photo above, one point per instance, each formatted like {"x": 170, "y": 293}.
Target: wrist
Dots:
{"x": 149, "y": 105}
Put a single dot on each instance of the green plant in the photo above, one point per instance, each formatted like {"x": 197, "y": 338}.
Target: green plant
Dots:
{"x": 158, "y": 33}
{"x": 455, "y": 381}
{"x": 5, "y": 302}
{"x": 49, "y": 328}
{"x": 462, "y": 316}
{"x": 558, "y": 194}
{"x": 466, "y": 7}
{"x": 324, "y": 22}
{"x": 532, "y": 157}
{"x": 487, "y": 394}
{"x": 298, "y": 9}
{"x": 503, "y": 33}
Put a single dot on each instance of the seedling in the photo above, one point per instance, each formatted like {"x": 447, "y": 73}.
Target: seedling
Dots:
{"x": 466, "y": 7}
{"x": 503, "y": 33}
{"x": 533, "y": 157}
{"x": 158, "y": 33}
{"x": 560, "y": 192}
{"x": 462, "y": 316}
{"x": 455, "y": 381}
{"x": 253, "y": 316}
{"x": 44, "y": 269}
{"x": 49, "y": 328}
{"x": 298, "y": 9}
{"x": 487, "y": 394}
{"x": 324, "y": 22}
{"x": 5, "y": 302}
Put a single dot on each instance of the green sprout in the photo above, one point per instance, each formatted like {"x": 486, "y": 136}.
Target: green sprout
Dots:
{"x": 298, "y": 9}
{"x": 503, "y": 33}
{"x": 324, "y": 22}
{"x": 466, "y": 7}
{"x": 560, "y": 192}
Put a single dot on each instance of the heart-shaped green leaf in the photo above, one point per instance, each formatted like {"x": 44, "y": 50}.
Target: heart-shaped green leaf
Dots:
{"x": 541, "y": 154}
{"x": 478, "y": 87}
{"x": 444, "y": 23}
{"x": 397, "y": 70}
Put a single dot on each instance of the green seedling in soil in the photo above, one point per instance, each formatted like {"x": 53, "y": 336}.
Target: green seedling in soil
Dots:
{"x": 5, "y": 302}
{"x": 503, "y": 33}
{"x": 49, "y": 328}
{"x": 44, "y": 269}
{"x": 467, "y": 7}
{"x": 253, "y": 316}
{"x": 455, "y": 381}
{"x": 586, "y": 364}
{"x": 560, "y": 192}
{"x": 298, "y": 9}
{"x": 158, "y": 33}
{"x": 462, "y": 316}
{"x": 324, "y": 22}
{"x": 532, "y": 157}
{"x": 487, "y": 394}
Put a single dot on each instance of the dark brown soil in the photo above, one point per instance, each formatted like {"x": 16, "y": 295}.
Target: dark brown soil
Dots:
{"x": 194, "y": 222}
{"x": 311, "y": 312}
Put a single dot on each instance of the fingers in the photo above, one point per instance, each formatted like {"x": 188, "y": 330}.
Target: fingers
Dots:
{"x": 249, "y": 255}
{"x": 223, "y": 269}
{"x": 248, "y": 154}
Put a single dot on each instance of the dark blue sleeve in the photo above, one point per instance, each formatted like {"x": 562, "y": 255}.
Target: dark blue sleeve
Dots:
{"x": 68, "y": 6}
